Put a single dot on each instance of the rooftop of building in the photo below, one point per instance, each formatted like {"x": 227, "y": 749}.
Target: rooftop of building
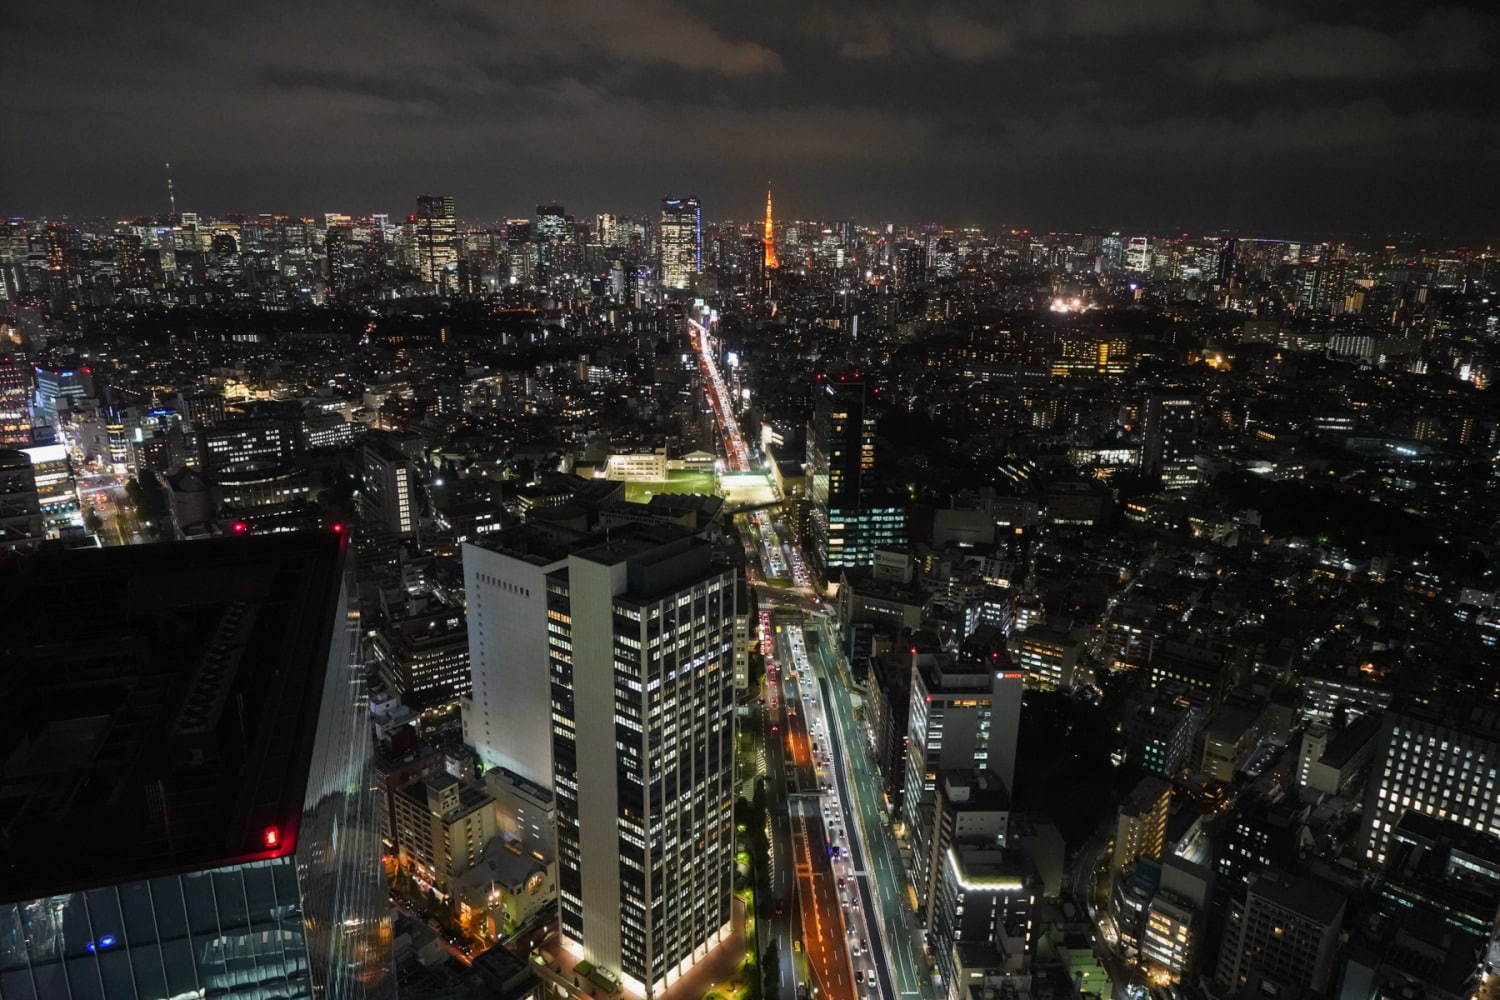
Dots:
{"x": 1305, "y": 897}
{"x": 1231, "y": 720}
{"x": 639, "y": 544}
{"x": 435, "y": 783}
{"x": 503, "y": 865}
{"x": 526, "y": 785}
{"x": 1145, "y": 795}
{"x": 703, "y": 504}
{"x": 1351, "y": 740}
{"x": 996, "y": 867}
{"x": 976, "y": 789}
{"x": 539, "y": 545}
{"x": 1445, "y": 833}
{"x": 941, "y": 674}
{"x": 121, "y": 665}
{"x": 1477, "y": 719}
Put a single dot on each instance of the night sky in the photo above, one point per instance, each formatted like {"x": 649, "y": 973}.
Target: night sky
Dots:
{"x": 1160, "y": 115}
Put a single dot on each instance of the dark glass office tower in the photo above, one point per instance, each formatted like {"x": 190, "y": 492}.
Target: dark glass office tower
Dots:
{"x": 840, "y": 454}
{"x": 184, "y": 776}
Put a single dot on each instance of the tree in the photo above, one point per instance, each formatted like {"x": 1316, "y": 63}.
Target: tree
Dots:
{"x": 755, "y": 669}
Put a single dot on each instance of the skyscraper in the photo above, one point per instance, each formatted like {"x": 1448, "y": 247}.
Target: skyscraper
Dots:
{"x": 681, "y": 241}
{"x": 768, "y": 237}
{"x": 336, "y": 243}
{"x": 506, "y": 715}
{"x": 549, "y": 229}
{"x": 642, "y": 650}
{"x": 437, "y": 247}
{"x": 15, "y": 402}
{"x": 389, "y": 497}
{"x": 58, "y": 388}
{"x": 1169, "y": 446}
{"x": 189, "y": 804}
{"x": 964, "y": 715}
{"x": 840, "y": 451}
{"x": 981, "y": 901}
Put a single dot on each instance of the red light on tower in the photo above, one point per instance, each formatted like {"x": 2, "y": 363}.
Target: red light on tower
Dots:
{"x": 272, "y": 836}
{"x": 240, "y": 527}
{"x": 338, "y": 528}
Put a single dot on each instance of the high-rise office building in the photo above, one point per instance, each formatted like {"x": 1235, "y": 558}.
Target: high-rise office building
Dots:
{"x": 910, "y": 266}
{"x": 15, "y": 403}
{"x": 840, "y": 454}
{"x": 1435, "y": 765}
{"x": 1227, "y": 259}
{"x": 642, "y": 647}
{"x": 981, "y": 901}
{"x": 963, "y": 715}
{"x": 507, "y": 715}
{"x": 338, "y": 248}
{"x": 389, "y": 497}
{"x": 887, "y": 702}
{"x": 57, "y": 388}
{"x": 189, "y": 804}
{"x": 681, "y": 244}
{"x": 437, "y": 243}
{"x": 1169, "y": 439}
{"x": 549, "y": 231}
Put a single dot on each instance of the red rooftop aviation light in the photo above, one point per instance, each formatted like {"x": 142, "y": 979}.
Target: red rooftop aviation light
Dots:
{"x": 240, "y": 527}
{"x": 272, "y": 836}
{"x": 338, "y": 528}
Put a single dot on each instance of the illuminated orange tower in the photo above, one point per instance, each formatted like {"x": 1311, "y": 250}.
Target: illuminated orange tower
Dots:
{"x": 768, "y": 240}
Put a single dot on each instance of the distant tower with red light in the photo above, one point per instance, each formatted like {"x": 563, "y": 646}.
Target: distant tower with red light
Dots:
{"x": 768, "y": 238}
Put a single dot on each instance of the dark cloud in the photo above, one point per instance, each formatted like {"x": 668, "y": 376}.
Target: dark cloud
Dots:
{"x": 1444, "y": 41}
{"x": 1047, "y": 112}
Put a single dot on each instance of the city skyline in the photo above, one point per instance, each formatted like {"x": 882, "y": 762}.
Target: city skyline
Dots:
{"x": 1198, "y": 115}
{"x": 813, "y": 500}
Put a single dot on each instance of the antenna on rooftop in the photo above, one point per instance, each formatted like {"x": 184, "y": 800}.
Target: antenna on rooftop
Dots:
{"x": 171, "y": 195}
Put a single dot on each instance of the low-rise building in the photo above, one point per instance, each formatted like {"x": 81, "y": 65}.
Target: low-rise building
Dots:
{"x": 443, "y": 826}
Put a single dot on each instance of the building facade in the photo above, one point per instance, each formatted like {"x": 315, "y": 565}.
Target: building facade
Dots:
{"x": 681, "y": 244}
{"x": 1438, "y": 766}
{"x": 641, "y": 635}
{"x": 507, "y": 715}
{"x": 840, "y": 454}
{"x": 436, "y": 237}
{"x": 1170, "y": 439}
{"x": 389, "y": 497}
